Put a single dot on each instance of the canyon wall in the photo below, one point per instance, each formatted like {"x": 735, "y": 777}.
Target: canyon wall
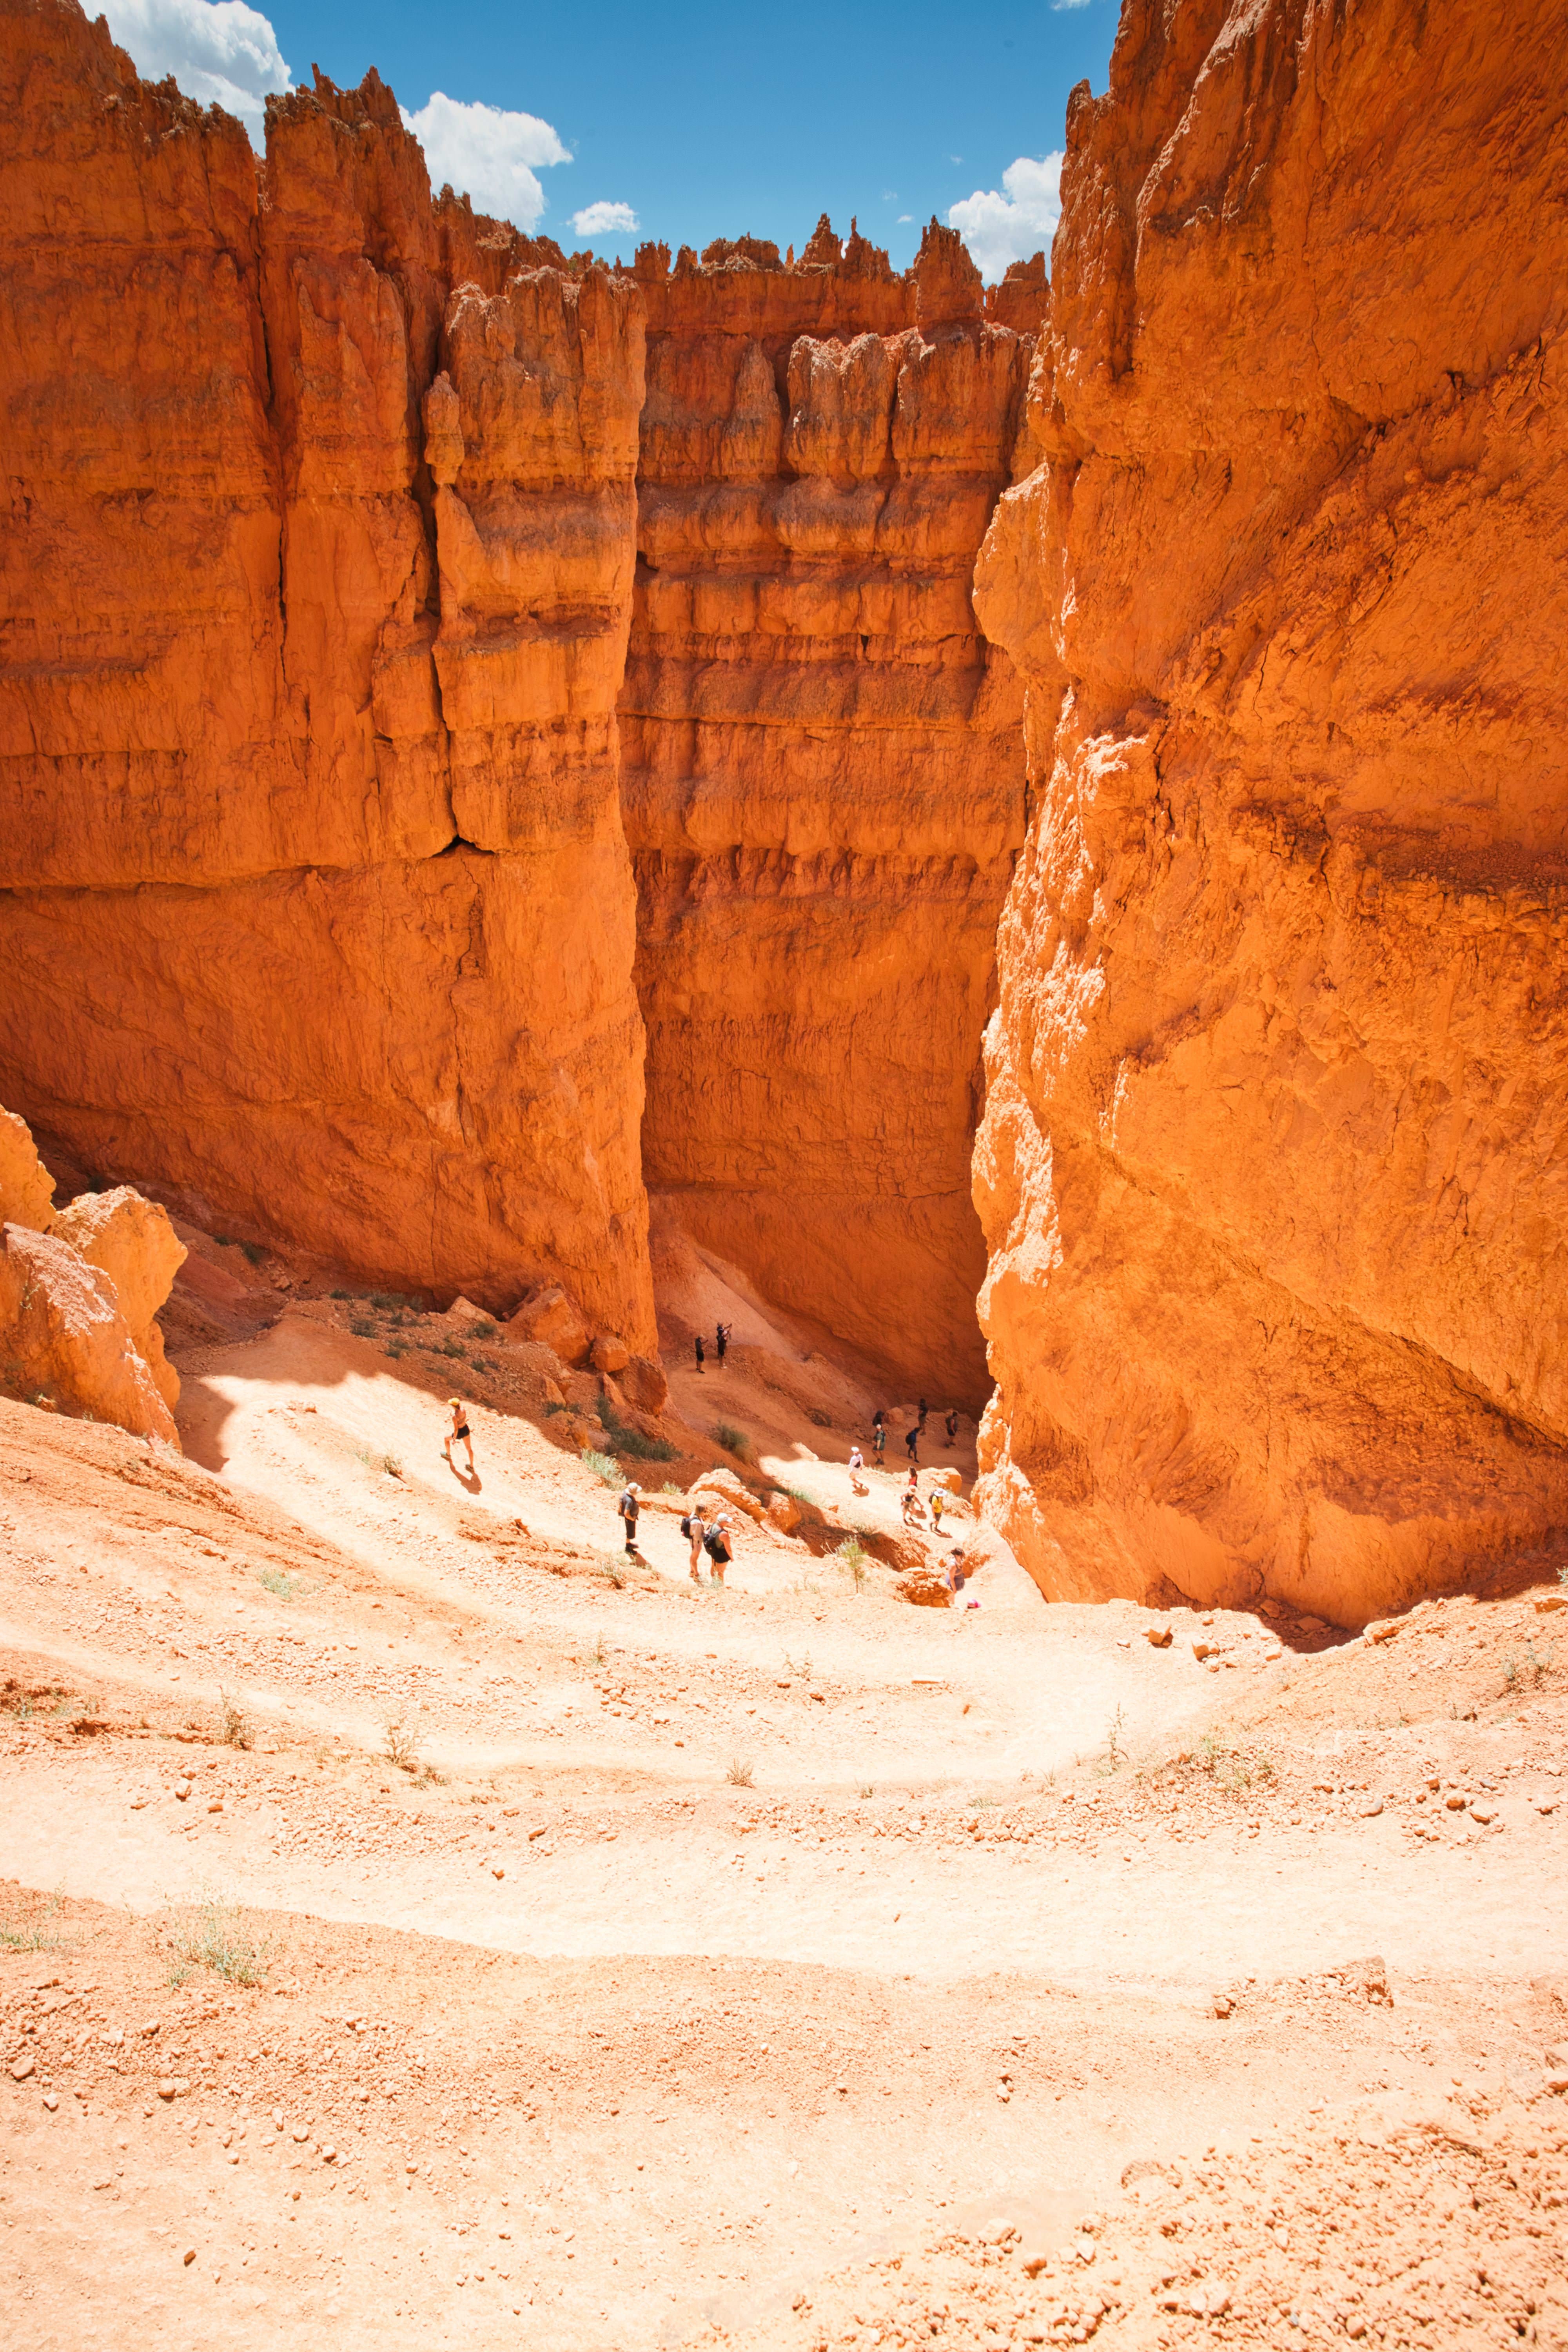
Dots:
{"x": 1272, "y": 1169}
{"x": 822, "y": 773}
{"x": 315, "y": 906}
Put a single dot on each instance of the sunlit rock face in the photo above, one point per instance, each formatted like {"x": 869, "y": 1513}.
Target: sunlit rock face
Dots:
{"x": 1272, "y": 1170}
{"x": 318, "y": 911}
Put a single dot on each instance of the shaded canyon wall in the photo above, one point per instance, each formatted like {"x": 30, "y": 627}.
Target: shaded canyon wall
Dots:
{"x": 1272, "y": 1169}
{"x": 822, "y": 773}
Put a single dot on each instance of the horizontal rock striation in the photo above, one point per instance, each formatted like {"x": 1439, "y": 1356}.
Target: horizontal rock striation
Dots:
{"x": 1272, "y": 1170}
{"x": 822, "y": 773}
{"x": 315, "y": 906}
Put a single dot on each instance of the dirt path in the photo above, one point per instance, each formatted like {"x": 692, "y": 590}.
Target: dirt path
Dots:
{"x": 785, "y": 1963}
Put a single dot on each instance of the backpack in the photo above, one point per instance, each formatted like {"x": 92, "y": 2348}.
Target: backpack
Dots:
{"x": 714, "y": 1545}
{"x": 685, "y": 1528}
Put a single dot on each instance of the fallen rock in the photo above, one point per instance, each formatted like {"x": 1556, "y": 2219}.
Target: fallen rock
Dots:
{"x": 22, "y": 2068}
{"x": 783, "y": 1512}
{"x": 65, "y": 1343}
{"x": 723, "y": 1487}
{"x": 924, "y": 1587}
{"x": 1201, "y": 1650}
{"x": 1546, "y": 1602}
{"x": 1157, "y": 1637}
{"x": 645, "y": 1384}
{"x": 949, "y": 1481}
{"x": 1385, "y": 1633}
{"x": 549, "y": 1318}
{"x": 609, "y": 1353}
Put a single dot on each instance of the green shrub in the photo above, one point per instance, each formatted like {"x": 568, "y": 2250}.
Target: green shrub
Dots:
{"x": 603, "y": 1465}
{"x": 733, "y": 1441}
{"x": 626, "y": 1440}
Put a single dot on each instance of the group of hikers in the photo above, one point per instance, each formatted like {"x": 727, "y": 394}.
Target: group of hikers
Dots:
{"x": 710, "y": 1538}
{"x": 721, "y": 1344}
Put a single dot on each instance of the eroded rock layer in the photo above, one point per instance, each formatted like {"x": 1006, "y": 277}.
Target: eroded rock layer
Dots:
{"x": 1272, "y": 1169}
{"x": 823, "y": 773}
{"x": 315, "y": 906}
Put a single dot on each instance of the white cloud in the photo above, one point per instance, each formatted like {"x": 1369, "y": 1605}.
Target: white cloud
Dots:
{"x": 1000, "y": 228}
{"x": 1058, "y": 5}
{"x": 605, "y": 220}
{"x": 219, "y": 51}
{"x": 488, "y": 154}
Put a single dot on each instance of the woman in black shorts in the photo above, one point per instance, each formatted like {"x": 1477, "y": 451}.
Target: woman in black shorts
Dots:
{"x": 459, "y": 1429}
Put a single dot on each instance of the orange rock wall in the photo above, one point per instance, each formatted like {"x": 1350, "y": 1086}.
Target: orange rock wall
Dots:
{"x": 316, "y": 910}
{"x": 1272, "y": 1170}
{"x": 822, "y": 774}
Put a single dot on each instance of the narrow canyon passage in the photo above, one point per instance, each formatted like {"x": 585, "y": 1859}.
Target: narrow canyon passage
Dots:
{"x": 822, "y": 773}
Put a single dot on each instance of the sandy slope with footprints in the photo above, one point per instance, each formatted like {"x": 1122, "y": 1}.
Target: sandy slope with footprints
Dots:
{"x": 1024, "y": 1991}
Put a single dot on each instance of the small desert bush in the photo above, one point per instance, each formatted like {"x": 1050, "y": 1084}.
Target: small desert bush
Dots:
{"x": 211, "y": 1937}
{"x": 733, "y": 1441}
{"x": 362, "y": 1328}
{"x": 402, "y": 1745}
{"x": 740, "y": 1773}
{"x": 628, "y": 1441}
{"x": 234, "y": 1726}
{"x": 284, "y": 1587}
{"x": 603, "y": 1465}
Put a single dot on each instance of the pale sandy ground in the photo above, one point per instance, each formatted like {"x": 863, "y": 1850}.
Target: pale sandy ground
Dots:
{"x": 613, "y": 2049}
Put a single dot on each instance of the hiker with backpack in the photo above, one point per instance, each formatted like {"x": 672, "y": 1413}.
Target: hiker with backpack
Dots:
{"x": 693, "y": 1528}
{"x": 628, "y": 1508}
{"x": 716, "y": 1544}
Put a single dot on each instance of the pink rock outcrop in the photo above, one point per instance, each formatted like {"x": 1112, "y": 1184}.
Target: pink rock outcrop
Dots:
{"x": 1272, "y": 1164}
{"x": 132, "y": 1241}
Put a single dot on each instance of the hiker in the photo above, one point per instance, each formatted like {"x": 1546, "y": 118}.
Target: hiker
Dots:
{"x": 459, "y": 1429}
{"x": 721, "y": 1342}
{"x": 878, "y": 1434}
{"x": 694, "y": 1531}
{"x": 716, "y": 1544}
{"x": 924, "y": 1410}
{"x": 912, "y": 1442}
{"x": 953, "y": 1570}
{"x": 628, "y": 1508}
{"x": 952, "y": 1424}
{"x": 857, "y": 1463}
{"x": 913, "y": 1507}
{"x": 938, "y": 1504}
{"x": 697, "y": 1343}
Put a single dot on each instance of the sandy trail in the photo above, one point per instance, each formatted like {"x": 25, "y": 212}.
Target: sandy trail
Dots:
{"x": 777, "y": 1931}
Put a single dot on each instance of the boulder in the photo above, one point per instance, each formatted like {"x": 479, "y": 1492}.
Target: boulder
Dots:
{"x": 949, "y": 1481}
{"x": 783, "y": 1512}
{"x": 609, "y": 1353}
{"x": 645, "y": 1383}
{"x": 64, "y": 1341}
{"x": 550, "y": 1317}
{"x": 132, "y": 1241}
{"x": 723, "y": 1487}
{"x": 924, "y": 1587}
{"x": 26, "y": 1188}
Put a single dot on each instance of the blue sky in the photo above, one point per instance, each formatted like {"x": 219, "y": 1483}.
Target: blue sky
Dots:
{"x": 696, "y": 120}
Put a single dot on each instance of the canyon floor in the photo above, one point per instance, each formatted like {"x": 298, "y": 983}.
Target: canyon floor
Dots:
{"x": 420, "y": 1922}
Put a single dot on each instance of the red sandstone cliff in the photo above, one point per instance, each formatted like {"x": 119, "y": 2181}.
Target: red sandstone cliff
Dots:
{"x": 1272, "y": 1170}
{"x": 317, "y": 906}
{"x": 822, "y": 773}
